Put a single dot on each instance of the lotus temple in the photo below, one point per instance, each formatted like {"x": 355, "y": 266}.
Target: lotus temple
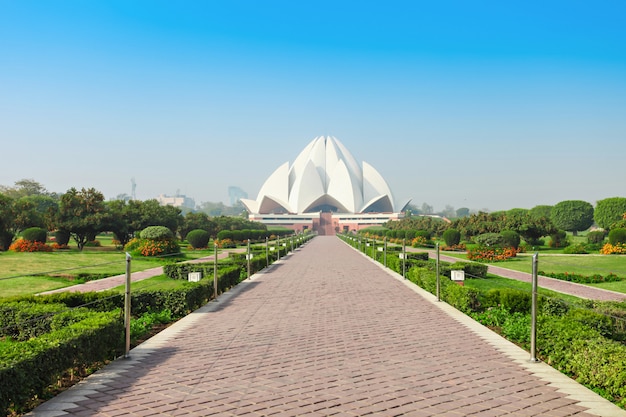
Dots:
{"x": 325, "y": 190}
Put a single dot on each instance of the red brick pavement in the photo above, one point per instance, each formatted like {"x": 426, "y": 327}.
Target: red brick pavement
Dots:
{"x": 326, "y": 332}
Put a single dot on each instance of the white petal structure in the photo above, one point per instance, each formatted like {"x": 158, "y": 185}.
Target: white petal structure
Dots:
{"x": 324, "y": 177}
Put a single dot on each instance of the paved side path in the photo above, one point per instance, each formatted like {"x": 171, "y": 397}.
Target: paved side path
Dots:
{"x": 117, "y": 280}
{"x": 327, "y": 332}
{"x": 558, "y": 285}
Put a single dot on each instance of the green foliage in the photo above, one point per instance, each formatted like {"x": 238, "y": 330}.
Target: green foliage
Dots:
{"x": 82, "y": 213}
{"x": 62, "y": 237}
{"x": 156, "y": 233}
{"x": 490, "y": 240}
{"x": 583, "y": 279}
{"x": 512, "y": 300}
{"x": 597, "y": 236}
{"x": 28, "y": 367}
{"x": 144, "y": 324}
{"x": 195, "y": 221}
{"x": 609, "y": 211}
{"x": 462, "y": 298}
{"x": 494, "y": 316}
{"x": 572, "y": 215}
{"x": 540, "y": 211}
{"x": 452, "y": 237}
{"x": 559, "y": 239}
{"x": 554, "y": 306}
{"x": 471, "y": 269}
{"x": 516, "y": 327}
{"x": 198, "y": 238}
{"x": 433, "y": 225}
{"x": 617, "y": 236}
{"x": 511, "y": 238}
{"x": 462, "y": 212}
{"x": 35, "y": 234}
{"x": 577, "y": 248}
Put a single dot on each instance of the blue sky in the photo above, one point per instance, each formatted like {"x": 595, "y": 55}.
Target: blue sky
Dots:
{"x": 480, "y": 104}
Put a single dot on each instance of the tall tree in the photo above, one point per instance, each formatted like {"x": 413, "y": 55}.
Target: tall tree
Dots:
{"x": 541, "y": 211}
{"x": 82, "y": 214}
{"x": 529, "y": 227}
{"x": 609, "y": 211}
{"x": 24, "y": 187}
{"x": 462, "y": 212}
{"x": 198, "y": 220}
{"x": 572, "y": 215}
{"x": 7, "y": 223}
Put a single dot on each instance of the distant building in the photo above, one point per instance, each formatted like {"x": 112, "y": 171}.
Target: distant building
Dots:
{"x": 176, "y": 201}
{"x": 236, "y": 194}
{"x": 326, "y": 190}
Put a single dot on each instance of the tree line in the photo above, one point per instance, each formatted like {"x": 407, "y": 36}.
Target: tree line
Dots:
{"x": 83, "y": 214}
{"x": 531, "y": 224}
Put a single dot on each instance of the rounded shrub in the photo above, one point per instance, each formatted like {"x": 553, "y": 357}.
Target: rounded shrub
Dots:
{"x": 452, "y": 237}
{"x": 35, "y": 234}
{"x": 156, "y": 233}
{"x": 511, "y": 238}
{"x": 597, "y": 236}
{"x": 62, "y": 237}
{"x": 559, "y": 239}
{"x": 490, "y": 240}
{"x": 617, "y": 236}
{"x": 198, "y": 238}
{"x": 423, "y": 233}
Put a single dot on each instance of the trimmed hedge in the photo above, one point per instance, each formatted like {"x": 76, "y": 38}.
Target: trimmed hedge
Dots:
{"x": 27, "y": 368}
{"x": 35, "y": 234}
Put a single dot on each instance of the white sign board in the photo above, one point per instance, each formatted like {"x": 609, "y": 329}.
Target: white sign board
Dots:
{"x": 380, "y": 249}
{"x": 249, "y": 256}
{"x": 194, "y": 276}
{"x": 457, "y": 275}
{"x": 272, "y": 248}
{"x": 401, "y": 255}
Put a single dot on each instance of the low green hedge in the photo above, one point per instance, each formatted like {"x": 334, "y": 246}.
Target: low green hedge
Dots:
{"x": 28, "y": 367}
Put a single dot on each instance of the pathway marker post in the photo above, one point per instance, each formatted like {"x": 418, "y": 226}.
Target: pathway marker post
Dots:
{"x": 215, "y": 270}
{"x": 404, "y": 258}
{"x": 127, "y": 307}
{"x": 438, "y": 281}
{"x": 533, "y": 312}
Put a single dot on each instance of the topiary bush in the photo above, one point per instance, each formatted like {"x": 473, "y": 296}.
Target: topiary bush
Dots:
{"x": 511, "y": 238}
{"x": 559, "y": 239}
{"x": 198, "y": 238}
{"x": 35, "y": 234}
{"x": 617, "y": 236}
{"x": 156, "y": 233}
{"x": 490, "y": 240}
{"x": 597, "y": 236}
{"x": 452, "y": 237}
{"x": 62, "y": 237}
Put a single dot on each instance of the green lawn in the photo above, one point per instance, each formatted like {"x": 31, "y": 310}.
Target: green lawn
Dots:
{"x": 31, "y": 273}
{"x": 578, "y": 264}
{"x": 493, "y": 281}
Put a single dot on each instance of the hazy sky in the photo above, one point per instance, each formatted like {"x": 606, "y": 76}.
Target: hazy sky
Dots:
{"x": 478, "y": 104}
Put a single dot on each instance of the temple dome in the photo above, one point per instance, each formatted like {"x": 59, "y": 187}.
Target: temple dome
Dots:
{"x": 324, "y": 177}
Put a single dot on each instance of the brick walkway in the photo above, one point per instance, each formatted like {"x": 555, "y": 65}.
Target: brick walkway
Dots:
{"x": 327, "y": 332}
